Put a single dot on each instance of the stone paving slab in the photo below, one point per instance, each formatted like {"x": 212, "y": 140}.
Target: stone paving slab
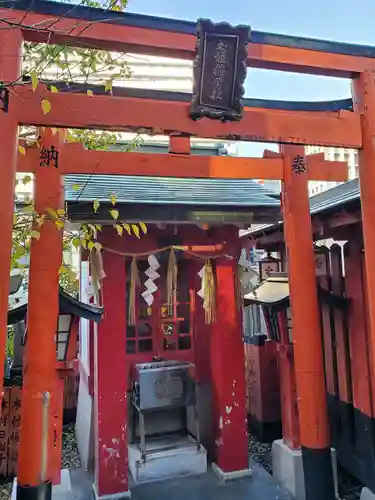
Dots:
{"x": 261, "y": 486}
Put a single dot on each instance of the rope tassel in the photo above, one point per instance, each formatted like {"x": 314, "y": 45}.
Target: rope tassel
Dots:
{"x": 171, "y": 281}
{"x": 134, "y": 283}
{"x": 209, "y": 301}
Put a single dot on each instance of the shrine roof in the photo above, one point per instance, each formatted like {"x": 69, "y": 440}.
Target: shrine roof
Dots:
{"x": 170, "y": 191}
{"x": 338, "y": 196}
{"x": 67, "y": 304}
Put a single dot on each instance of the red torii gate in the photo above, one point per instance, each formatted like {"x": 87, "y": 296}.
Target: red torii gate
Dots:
{"x": 121, "y": 112}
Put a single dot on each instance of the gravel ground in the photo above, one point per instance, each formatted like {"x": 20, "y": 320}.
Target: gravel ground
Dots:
{"x": 349, "y": 487}
{"x": 70, "y": 459}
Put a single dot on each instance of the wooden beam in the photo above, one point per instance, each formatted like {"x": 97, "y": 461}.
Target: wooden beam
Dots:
{"x": 81, "y": 161}
{"x": 164, "y": 38}
{"x": 165, "y": 117}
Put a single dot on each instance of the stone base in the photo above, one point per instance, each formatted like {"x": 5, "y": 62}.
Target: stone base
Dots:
{"x": 288, "y": 469}
{"x": 367, "y": 494}
{"x": 60, "y": 491}
{"x": 230, "y": 476}
{"x": 166, "y": 459}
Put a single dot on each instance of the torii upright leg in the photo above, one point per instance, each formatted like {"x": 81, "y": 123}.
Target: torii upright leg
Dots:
{"x": 308, "y": 355}
{"x": 35, "y": 470}
{"x": 10, "y": 69}
{"x": 364, "y": 101}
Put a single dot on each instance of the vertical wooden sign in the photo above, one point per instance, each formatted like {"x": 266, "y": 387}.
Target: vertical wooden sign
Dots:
{"x": 4, "y": 434}
{"x": 219, "y": 71}
{"x": 14, "y": 428}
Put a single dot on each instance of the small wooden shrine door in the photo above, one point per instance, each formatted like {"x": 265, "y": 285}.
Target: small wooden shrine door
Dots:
{"x": 160, "y": 330}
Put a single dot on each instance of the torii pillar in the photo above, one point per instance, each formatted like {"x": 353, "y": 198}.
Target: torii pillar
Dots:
{"x": 36, "y": 460}
{"x": 307, "y": 343}
{"x": 10, "y": 71}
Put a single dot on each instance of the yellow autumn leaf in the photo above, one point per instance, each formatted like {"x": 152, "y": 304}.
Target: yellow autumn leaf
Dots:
{"x": 108, "y": 86}
{"x": 114, "y": 214}
{"x": 53, "y": 89}
{"x": 136, "y": 230}
{"x": 90, "y": 245}
{"x": 83, "y": 243}
{"x": 46, "y": 106}
{"x": 21, "y": 150}
{"x": 62, "y": 269}
{"x": 90, "y": 93}
{"x": 113, "y": 199}
{"x": 127, "y": 228}
{"x": 60, "y": 212}
{"x": 75, "y": 187}
{"x": 34, "y": 80}
{"x": 119, "y": 229}
{"x": 52, "y": 212}
{"x": 98, "y": 246}
{"x": 143, "y": 227}
{"x": 96, "y": 205}
{"x": 76, "y": 242}
{"x": 69, "y": 137}
{"x": 60, "y": 224}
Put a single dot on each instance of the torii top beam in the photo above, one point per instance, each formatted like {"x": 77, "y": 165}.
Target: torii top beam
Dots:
{"x": 174, "y": 38}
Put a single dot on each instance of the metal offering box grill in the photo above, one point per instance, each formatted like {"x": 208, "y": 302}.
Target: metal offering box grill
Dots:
{"x": 162, "y": 391}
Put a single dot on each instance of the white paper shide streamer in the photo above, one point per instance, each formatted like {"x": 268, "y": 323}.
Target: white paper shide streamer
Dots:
{"x": 152, "y": 275}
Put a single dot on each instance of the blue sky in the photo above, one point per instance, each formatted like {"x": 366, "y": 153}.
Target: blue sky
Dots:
{"x": 341, "y": 20}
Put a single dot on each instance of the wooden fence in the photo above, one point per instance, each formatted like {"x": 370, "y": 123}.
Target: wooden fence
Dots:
{"x": 10, "y": 421}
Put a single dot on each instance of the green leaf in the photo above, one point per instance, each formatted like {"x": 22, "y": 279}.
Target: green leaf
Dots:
{"x": 26, "y": 179}
{"x": 143, "y": 227}
{"x": 76, "y": 242}
{"x": 136, "y": 230}
{"x": 90, "y": 245}
{"x": 96, "y": 205}
{"x": 84, "y": 243}
{"x": 34, "y": 80}
{"x": 28, "y": 209}
{"x": 35, "y": 234}
{"x": 114, "y": 214}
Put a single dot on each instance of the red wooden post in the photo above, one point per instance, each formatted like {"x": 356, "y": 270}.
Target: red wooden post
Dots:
{"x": 288, "y": 392}
{"x": 364, "y": 101}
{"x": 35, "y": 472}
{"x": 10, "y": 70}
{"x": 111, "y": 382}
{"x": 308, "y": 355}
{"x": 228, "y": 375}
